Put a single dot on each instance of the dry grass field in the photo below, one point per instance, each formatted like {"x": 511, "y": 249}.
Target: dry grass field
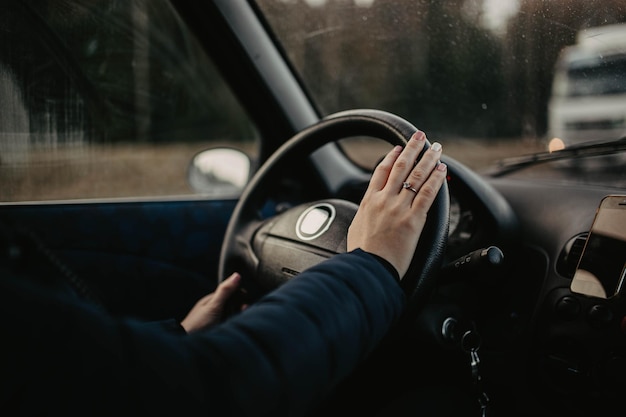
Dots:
{"x": 477, "y": 154}
{"x": 122, "y": 171}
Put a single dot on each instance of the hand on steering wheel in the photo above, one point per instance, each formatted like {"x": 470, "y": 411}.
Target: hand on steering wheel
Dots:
{"x": 268, "y": 252}
{"x": 392, "y": 214}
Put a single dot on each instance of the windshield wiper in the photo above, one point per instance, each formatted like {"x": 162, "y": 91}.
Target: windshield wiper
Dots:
{"x": 508, "y": 165}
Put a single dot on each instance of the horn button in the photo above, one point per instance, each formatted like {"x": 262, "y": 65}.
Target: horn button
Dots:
{"x": 301, "y": 237}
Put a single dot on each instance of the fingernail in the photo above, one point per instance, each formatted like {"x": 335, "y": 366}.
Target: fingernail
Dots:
{"x": 441, "y": 166}
{"x": 436, "y": 147}
{"x": 419, "y": 135}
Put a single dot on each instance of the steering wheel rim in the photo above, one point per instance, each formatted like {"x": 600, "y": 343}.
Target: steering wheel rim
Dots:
{"x": 240, "y": 251}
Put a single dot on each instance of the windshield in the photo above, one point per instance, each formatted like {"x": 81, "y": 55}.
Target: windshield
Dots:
{"x": 476, "y": 75}
{"x": 595, "y": 76}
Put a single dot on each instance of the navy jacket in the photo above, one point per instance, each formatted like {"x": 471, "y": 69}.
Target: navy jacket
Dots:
{"x": 281, "y": 356}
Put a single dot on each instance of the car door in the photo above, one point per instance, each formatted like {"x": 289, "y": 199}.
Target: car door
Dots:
{"x": 106, "y": 109}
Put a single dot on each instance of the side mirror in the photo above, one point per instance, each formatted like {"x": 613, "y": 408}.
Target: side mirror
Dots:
{"x": 219, "y": 172}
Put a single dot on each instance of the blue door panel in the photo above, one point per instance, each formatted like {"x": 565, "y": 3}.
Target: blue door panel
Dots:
{"x": 150, "y": 259}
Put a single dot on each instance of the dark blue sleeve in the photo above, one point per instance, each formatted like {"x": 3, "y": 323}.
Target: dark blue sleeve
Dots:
{"x": 278, "y": 357}
{"x": 285, "y": 352}
{"x": 168, "y": 325}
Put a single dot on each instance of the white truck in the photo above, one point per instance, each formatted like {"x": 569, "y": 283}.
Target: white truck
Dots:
{"x": 588, "y": 101}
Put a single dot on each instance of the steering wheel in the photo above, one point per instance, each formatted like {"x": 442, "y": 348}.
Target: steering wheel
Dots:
{"x": 268, "y": 252}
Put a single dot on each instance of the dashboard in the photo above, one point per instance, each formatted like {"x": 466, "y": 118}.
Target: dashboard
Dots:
{"x": 576, "y": 345}
{"x": 567, "y": 350}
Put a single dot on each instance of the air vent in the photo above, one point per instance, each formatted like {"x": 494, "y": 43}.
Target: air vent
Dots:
{"x": 568, "y": 259}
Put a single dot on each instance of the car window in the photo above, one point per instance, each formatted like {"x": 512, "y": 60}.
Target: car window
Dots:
{"x": 475, "y": 75}
{"x": 106, "y": 98}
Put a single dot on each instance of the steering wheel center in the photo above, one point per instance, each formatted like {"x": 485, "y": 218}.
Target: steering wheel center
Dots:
{"x": 268, "y": 252}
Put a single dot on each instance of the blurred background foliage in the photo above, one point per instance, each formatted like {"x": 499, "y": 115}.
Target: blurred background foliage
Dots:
{"x": 457, "y": 76}
{"x": 107, "y": 71}
{"x": 111, "y": 71}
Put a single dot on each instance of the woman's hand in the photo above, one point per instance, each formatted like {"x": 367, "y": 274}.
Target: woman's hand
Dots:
{"x": 209, "y": 309}
{"x": 393, "y": 211}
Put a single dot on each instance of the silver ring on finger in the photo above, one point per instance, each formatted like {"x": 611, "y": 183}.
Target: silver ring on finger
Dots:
{"x": 408, "y": 186}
